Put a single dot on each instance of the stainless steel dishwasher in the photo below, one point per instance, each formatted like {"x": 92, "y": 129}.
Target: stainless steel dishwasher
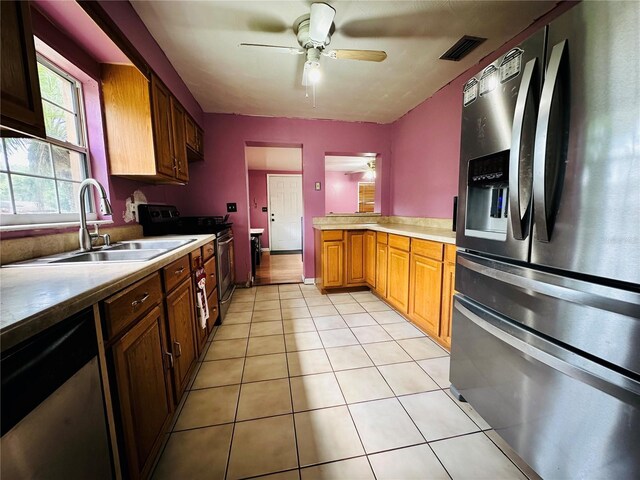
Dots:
{"x": 53, "y": 419}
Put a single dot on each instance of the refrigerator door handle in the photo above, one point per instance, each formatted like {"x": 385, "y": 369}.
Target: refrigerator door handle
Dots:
{"x": 546, "y": 187}
{"x": 520, "y": 156}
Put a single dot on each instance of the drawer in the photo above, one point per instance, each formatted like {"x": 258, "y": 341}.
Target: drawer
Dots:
{"x": 176, "y": 272}
{"x": 382, "y": 238}
{"x": 210, "y": 270}
{"x": 195, "y": 256}
{"x": 328, "y": 235}
{"x": 208, "y": 249}
{"x": 121, "y": 309}
{"x": 450, "y": 253}
{"x": 399, "y": 242}
{"x": 427, "y": 248}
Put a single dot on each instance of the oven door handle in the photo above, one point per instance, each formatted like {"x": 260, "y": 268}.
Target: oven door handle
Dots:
{"x": 220, "y": 244}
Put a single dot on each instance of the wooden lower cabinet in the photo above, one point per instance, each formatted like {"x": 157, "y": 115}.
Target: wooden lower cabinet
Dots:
{"x": 398, "y": 279}
{"x": 333, "y": 263}
{"x": 425, "y": 285}
{"x": 370, "y": 258}
{"x": 448, "y": 290}
{"x": 382, "y": 251}
{"x": 182, "y": 322}
{"x": 355, "y": 258}
{"x": 142, "y": 374}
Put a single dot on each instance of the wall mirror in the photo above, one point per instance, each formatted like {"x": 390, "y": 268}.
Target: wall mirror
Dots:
{"x": 351, "y": 184}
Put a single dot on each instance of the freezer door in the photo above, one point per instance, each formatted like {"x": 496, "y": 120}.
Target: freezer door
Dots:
{"x": 566, "y": 416}
{"x": 587, "y": 147}
{"x": 601, "y": 321}
{"x": 499, "y": 112}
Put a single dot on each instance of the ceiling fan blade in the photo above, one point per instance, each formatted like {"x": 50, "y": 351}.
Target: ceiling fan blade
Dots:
{"x": 320, "y": 22}
{"x": 365, "y": 55}
{"x": 275, "y": 48}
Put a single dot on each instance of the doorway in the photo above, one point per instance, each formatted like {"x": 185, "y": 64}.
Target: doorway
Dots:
{"x": 285, "y": 213}
{"x": 275, "y": 212}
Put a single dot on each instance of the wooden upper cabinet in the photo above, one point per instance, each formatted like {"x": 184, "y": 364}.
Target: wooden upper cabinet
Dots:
{"x": 425, "y": 293}
{"x": 181, "y": 319}
{"x": 355, "y": 258}
{"x": 179, "y": 143}
{"x": 141, "y": 370}
{"x": 398, "y": 278}
{"x": 370, "y": 258}
{"x": 163, "y": 132}
{"x": 143, "y": 142}
{"x": 194, "y": 135}
{"x": 21, "y": 104}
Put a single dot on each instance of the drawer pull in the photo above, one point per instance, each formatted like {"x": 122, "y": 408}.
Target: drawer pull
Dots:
{"x": 210, "y": 249}
{"x": 179, "y": 271}
{"x": 170, "y": 359}
{"x": 178, "y": 348}
{"x": 140, "y": 300}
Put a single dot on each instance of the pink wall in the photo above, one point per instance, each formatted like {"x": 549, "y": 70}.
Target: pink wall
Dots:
{"x": 426, "y": 142}
{"x": 341, "y": 192}
{"x": 223, "y": 176}
{"x": 258, "y": 199}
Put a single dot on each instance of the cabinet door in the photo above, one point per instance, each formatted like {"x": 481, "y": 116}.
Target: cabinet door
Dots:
{"x": 370, "y": 258}
{"x": 161, "y": 101}
{"x": 425, "y": 293}
{"x": 200, "y": 141}
{"x": 144, "y": 391}
{"x": 398, "y": 285}
{"x": 381, "y": 269}
{"x": 448, "y": 289}
{"x": 355, "y": 258}
{"x": 333, "y": 263}
{"x": 21, "y": 104}
{"x": 181, "y": 317}
{"x": 190, "y": 132}
{"x": 179, "y": 142}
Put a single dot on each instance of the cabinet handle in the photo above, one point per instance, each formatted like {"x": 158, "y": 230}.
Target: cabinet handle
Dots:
{"x": 168, "y": 354}
{"x": 210, "y": 249}
{"x": 140, "y": 300}
{"x": 179, "y": 348}
{"x": 179, "y": 271}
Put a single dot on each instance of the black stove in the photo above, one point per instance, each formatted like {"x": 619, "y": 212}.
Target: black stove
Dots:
{"x": 166, "y": 220}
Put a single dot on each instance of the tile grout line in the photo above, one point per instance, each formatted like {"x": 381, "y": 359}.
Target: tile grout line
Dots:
{"x": 235, "y": 416}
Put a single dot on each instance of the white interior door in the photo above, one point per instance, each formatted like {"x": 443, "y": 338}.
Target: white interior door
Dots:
{"x": 285, "y": 212}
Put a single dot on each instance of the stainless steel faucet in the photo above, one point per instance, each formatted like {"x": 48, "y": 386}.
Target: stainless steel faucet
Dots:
{"x": 105, "y": 208}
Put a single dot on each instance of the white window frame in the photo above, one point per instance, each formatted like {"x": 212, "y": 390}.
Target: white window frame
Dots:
{"x": 25, "y": 221}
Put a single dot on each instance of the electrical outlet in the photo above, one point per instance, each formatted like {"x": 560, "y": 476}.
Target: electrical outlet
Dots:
{"x": 232, "y": 207}
{"x": 264, "y": 209}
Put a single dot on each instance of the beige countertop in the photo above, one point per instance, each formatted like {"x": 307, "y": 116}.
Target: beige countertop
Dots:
{"x": 33, "y": 298}
{"x": 424, "y": 233}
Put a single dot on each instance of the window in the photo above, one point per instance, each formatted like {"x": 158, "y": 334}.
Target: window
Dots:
{"x": 366, "y": 196}
{"x": 40, "y": 180}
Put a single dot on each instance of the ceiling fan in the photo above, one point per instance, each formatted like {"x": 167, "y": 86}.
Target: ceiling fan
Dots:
{"x": 314, "y": 31}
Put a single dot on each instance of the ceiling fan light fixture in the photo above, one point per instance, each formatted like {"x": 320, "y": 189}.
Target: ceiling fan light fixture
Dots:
{"x": 314, "y": 73}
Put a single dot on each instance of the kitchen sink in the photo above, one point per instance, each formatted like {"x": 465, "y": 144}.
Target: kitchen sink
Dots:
{"x": 112, "y": 256}
{"x": 131, "y": 251}
{"x": 151, "y": 244}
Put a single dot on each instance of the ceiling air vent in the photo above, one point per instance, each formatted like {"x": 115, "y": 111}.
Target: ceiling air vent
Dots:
{"x": 462, "y": 48}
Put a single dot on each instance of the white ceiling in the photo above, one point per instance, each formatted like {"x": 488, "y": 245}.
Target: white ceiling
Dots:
{"x": 201, "y": 39}
{"x": 343, "y": 163}
{"x": 273, "y": 158}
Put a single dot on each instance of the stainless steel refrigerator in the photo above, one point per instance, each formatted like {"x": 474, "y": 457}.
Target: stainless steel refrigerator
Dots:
{"x": 546, "y": 324}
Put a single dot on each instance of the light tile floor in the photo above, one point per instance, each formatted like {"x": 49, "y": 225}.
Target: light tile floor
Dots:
{"x": 299, "y": 385}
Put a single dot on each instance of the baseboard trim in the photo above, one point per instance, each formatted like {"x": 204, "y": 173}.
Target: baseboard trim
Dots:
{"x": 308, "y": 281}
{"x": 265, "y": 249}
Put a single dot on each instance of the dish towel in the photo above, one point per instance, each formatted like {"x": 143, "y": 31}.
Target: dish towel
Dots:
{"x": 201, "y": 295}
